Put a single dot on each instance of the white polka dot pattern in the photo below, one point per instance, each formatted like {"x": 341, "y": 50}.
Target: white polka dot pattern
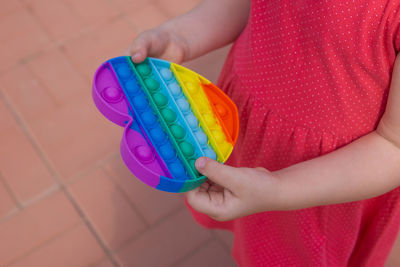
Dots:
{"x": 309, "y": 77}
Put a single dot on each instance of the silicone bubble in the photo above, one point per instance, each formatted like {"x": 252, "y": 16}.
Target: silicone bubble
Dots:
{"x": 201, "y": 137}
{"x": 167, "y": 151}
{"x": 187, "y": 148}
{"x": 148, "y": 117}
{"x": 218, "y": 135}
{"x": 178, "y": 132}
{"x": 221, "y": 110}
{"x": 177, "y": 169}
{"x": 169, "y": 115}
{"x": 124, "y": 70}
{"x": 210, "y": 153}
{"x": 160, "y": 99}
{"x": 140, "y": 102}
{"x": 175, "y": 89}
{"x": 166, "y": 74}
{"x": 143, "y": 69}
{"x": 112, "y": 94}
{"x": 192, "y": 121}
{"x": 152, "y": 84}
{"x": 192, "y": 88}
{"x": 131, "y": 86}
{"x": 144, "y": 153}
{"x": 157, "y": 134}
{"x": 183, "y": 105}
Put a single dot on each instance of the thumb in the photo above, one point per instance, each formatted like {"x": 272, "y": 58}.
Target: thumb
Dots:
{"x": 223, "y": 175}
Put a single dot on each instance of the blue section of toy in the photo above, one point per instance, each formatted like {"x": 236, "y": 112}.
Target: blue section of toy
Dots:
{"x": 148, "y": 123}
{"x": 169, "y": 116}
{"x": 203, "y": 148}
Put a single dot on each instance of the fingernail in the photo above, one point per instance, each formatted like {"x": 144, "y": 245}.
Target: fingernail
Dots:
{"x": 136, "y": 56}
{"x": 200, "y": 163}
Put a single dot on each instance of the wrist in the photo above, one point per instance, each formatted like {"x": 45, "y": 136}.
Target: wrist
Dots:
{"x": 293, "y": 194}
{"x": 273, "y": 191}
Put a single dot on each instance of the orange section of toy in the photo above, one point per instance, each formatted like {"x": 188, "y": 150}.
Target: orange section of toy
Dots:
{"x": 225, "y": 110}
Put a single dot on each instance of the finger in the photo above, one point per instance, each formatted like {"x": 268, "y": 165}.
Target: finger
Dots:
{"x": 223, "y": 175}
{"x": 262, "y": 169}
{"x": 200, "y": 200}
{"x": 140, "y": 47}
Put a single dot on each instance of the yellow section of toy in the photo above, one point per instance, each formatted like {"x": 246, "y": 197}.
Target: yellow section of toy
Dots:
{"x": 191, "y": 87}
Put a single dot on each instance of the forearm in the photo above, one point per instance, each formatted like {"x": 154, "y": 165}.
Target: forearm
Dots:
{"x": 368, "y": 167}
{"x": 210, "y": 25}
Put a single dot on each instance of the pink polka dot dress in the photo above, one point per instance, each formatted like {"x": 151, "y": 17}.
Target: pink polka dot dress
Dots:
{"x": 309, "y": 77}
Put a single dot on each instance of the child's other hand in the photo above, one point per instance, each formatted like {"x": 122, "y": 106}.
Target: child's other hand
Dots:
{"x": 231, "y": 192}
{"x": 160, "y": 43}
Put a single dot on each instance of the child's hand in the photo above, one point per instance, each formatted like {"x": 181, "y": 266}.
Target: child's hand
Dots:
{"x": 158, "y": 42}
{"x": 235, "y": 192}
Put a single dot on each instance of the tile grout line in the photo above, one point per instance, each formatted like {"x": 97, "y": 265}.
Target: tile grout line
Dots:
{"x": 41, "y": 196}
{"x": 31, "y": 12}
{"x": 54, "y": 43}
{"x": 41, "y": 82}
{"x": 192, "y": 252}
{"x": 151, "y": 227}
{"x": 57, "y": 179}
{"x": 32, "y": 201}
{"x": 42, "y": 244}
{"x": 124, "y": 195}
{"x": 94, "y": 167}
{"x": 221, "y": 242}
{"x": 9, "y": 190}
{"x": 9, "y": 215}
{"x": 212, "y": 238}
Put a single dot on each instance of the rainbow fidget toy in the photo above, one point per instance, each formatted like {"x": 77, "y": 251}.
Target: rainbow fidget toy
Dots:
{"x": 171, "y": 115}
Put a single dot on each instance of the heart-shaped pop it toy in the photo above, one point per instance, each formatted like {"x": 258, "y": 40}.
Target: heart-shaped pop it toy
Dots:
{"x": 171, "y": 115}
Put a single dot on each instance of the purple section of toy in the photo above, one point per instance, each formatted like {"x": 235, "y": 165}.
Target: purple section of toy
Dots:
{"x": 133, "y": 148}
{"x": 140, "y": 152}
{"x": 137, "y": 153}
{"x": 105, "y": 87}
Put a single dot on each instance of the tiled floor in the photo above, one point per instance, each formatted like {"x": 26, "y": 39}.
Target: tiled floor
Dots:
{"x": 66, "y": 198}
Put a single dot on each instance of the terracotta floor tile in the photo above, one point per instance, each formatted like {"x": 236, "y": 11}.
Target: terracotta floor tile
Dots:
{"x": 35, "y": 225}
{"x": 210, "y": 255}
{"x": 176, "y": 7}
{"x": 16, "y": 151}
{"x": 6, "y": 118}
{"x": 109, "y": 212}
{"x": 226, "y": 237}
{"x": 8, "y": 6}
{"x": 93, "y": 48}
{"x": 26, "y": 93}
{"x": 93, "y": 12}
{"x": 104, "y": 263}
{"x": 56, "y": 18}
{"x": 166, "y": 243}
{"x": 147, "y": 16}
{"x": 61, "y": 79}
{"x": 152, "y": 203}
{"x": 124, "y": 5}
{"x": 76, "y": 247}
{"x": 76, "y": 136}
{"x": 209, "y": 65}
{"x": 394, "y": 257}
{"x": 21, "y": 166}
{"x": 18, "y": 29}
{"x": 7, "y": 204}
